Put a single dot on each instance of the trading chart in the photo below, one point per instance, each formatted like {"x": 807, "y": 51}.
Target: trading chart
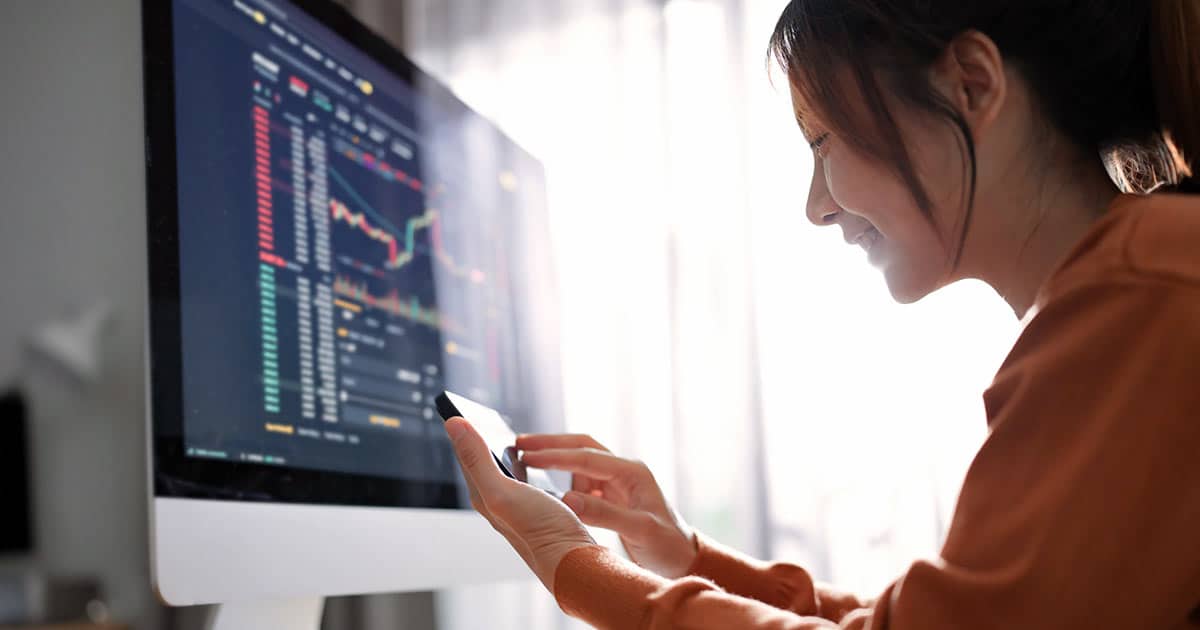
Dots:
{"x": 364, "y": 263}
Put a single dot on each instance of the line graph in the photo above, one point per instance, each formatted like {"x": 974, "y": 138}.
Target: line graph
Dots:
{"x": 342, "y": 213}
{"x": 410, "y": 308}
{"x": 377, "y": 227}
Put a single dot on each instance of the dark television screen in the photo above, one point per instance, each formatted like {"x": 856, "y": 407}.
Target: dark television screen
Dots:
{"x": 16, "y": 533}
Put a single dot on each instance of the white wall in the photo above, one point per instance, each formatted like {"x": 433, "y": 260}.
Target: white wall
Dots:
{"x": 72, "y": 232}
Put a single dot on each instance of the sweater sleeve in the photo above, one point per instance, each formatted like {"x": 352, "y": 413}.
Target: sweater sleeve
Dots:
{"x": 1080, "y": 511}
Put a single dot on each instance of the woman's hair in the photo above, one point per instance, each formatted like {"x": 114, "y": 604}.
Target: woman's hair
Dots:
{"x": 1120, "y": 78}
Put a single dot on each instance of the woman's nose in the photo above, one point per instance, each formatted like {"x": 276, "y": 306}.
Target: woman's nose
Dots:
{"x": 821, "y": 209}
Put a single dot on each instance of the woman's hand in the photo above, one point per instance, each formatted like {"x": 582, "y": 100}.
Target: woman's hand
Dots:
{"x": 618, "y": 494}
{"x": 537, "y": 525}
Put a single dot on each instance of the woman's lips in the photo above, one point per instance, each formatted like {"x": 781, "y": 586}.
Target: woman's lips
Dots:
{"x": 868, "y": 239}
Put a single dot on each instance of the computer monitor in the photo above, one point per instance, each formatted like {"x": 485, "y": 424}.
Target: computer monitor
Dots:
{"x": 334, "y": 238}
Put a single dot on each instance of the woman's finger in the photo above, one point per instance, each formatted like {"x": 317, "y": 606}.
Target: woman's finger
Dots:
{"x": 539, "y": 441}
{"x": 476, "y": 500}
{"x": 477, "y": 461}
{"x": 473, "y": 494}
{"x": 599, "y": 465}
{"x": 584, "y": 484}
{"x": 600, "y": 513}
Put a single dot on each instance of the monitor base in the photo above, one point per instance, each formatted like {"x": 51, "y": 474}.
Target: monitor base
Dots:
{"x": 285, "y": 614}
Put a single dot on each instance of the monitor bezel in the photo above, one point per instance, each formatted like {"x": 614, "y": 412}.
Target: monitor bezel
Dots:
{"x": 175, "y": 474}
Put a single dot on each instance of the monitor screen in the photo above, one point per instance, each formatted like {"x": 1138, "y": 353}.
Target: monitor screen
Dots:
{"x": 344, "y": 232}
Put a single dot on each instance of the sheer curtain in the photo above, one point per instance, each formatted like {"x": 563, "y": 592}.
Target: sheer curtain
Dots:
{"x": 757, "y": 363}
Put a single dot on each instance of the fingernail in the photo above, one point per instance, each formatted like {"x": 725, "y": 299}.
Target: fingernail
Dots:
{"x": 454, "y": 428}
{"x": 574, "y": 501}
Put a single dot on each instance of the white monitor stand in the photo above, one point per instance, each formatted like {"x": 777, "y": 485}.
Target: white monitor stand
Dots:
{"x": 260, "y": 562}
{"x": 303, "y": 612}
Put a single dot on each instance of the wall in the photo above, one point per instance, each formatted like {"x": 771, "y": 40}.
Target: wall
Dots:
{"x": 72, "y": 233}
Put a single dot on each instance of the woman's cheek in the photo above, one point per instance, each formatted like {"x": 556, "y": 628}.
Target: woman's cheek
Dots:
{"x": 842, "y": 192}
{"x": 857, "y": 185}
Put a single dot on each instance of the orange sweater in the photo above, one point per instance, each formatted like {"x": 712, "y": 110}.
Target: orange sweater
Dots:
{"x": 1082, "y": 508}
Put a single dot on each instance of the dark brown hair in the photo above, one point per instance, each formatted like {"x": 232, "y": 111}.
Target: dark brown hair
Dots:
{"x": 1120, "y": 78}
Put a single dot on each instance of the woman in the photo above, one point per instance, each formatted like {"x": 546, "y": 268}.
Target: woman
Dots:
{"x": 965, "y": 140}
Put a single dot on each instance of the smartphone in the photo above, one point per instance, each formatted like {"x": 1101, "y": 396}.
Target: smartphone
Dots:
{"x": 501, "y": 440}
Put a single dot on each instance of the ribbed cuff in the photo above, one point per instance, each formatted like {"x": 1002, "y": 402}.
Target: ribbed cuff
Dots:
{"x": 780, "y": 585}
{"x": 720, "y": 563}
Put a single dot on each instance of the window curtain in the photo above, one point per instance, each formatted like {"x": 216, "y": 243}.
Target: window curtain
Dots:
{"x": 758, "y": 365}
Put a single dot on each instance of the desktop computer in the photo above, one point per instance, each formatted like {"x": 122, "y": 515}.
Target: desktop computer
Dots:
{"x": 334, "y": 238}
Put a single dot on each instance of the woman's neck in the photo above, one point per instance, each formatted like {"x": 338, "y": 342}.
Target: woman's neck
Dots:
{"x": 1032, "y": 228}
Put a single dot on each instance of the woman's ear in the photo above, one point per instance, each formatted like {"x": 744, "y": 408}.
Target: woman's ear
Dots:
{"x": 971, "y": 75}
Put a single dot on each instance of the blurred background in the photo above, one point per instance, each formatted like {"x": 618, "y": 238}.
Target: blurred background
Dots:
{"x": 788, "y": 407}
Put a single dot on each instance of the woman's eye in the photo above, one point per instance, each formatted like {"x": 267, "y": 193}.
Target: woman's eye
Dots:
{"x": 816, "y": 145}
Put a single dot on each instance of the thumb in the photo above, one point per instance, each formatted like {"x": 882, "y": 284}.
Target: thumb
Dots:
{"x": 599, "y": 512}
{"x": 473, "y": 454}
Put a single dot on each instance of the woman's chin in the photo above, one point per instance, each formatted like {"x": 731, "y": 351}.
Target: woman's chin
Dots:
{"x": 905, "y": 286}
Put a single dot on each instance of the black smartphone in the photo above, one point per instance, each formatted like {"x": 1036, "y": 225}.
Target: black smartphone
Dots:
{"x": 501, "y": 440}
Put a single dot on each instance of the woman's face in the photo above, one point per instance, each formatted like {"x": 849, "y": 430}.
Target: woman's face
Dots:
{"x": 876, "y": 210}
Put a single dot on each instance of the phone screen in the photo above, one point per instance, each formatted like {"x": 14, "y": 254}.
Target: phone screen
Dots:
{"x": 499, "y": 437}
